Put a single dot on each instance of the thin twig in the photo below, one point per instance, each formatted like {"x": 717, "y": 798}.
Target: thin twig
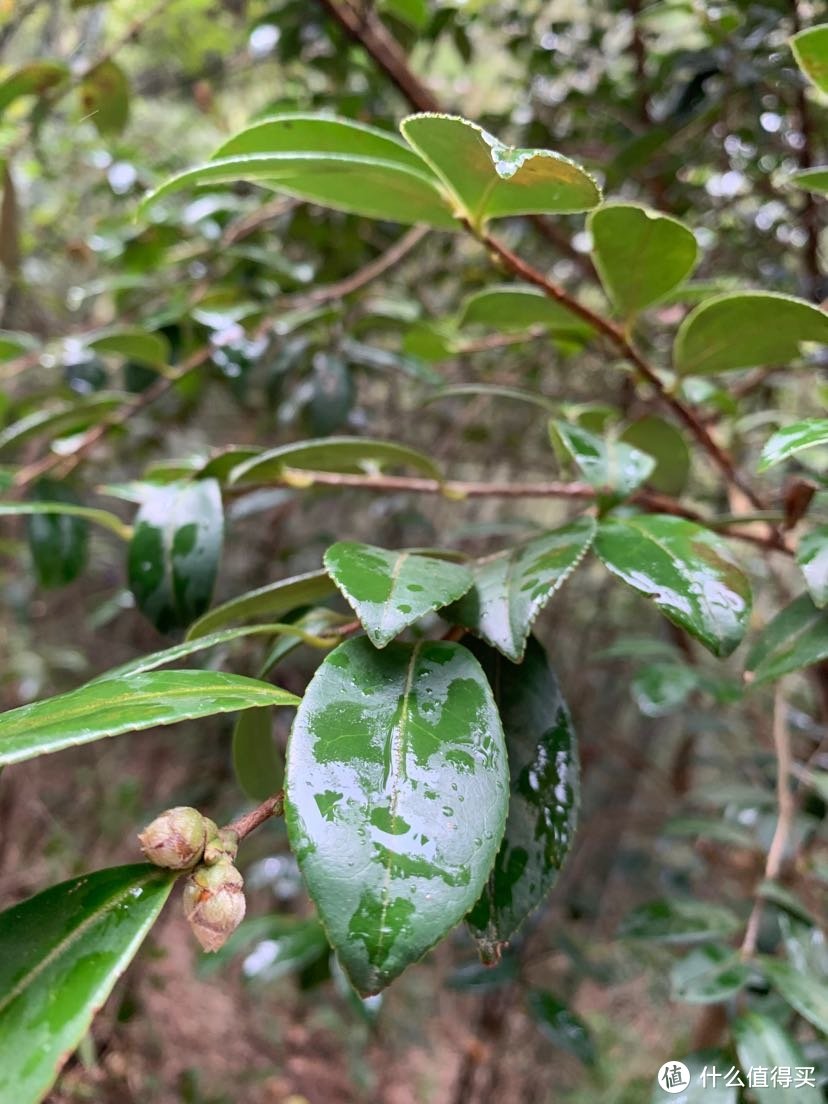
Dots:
{"x": 271, "y": 807}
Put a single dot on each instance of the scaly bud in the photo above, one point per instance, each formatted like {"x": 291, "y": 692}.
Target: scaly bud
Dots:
{"x": 214, "y": 903}
{"x": 175, "y": 839}
{"x": 222, "y": 846}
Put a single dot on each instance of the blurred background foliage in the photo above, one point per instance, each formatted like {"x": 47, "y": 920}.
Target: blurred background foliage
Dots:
{"x": 696, "y": 109}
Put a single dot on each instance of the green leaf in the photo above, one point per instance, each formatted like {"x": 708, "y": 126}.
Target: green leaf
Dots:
{"x": 397, "y": 789}
{"x": 667, "y": 446}
{"x": 512, "y": 587}
{"x": 104, "y": 95}
{"x": 640, "y": 254}
{"x": 69, "y": 509}
{"x": 559, "y": 1024}
{"x": 812, "y": 180}
{"x": 791, "y": 439}
{"x": 388, "y": 591}
{"x": 175, "y": 550}
{"x": 273, "y": 947}
{"x": 514, "y": 307}
{"x": 543, "y": 802}
{"x": 413, "y": 12}
{"x": 796, "y": 637}
{"x": 256, "y": 762}
{"x": 334, "y": 162}
{"x": 332, "y": 454}
{"x": 761, "y": 1043}
{"x": 612, "y": 467}
{"x": 679, "y": 921}
{"x": 222, "y": 463}
{"x": 709, "y": 974}
{"x": 63, "y": 419}
{"x": 61, "y": 953}
{"x": 687, "y": 570}
{"x": 812, "y": 557}
{"x": 489, "y": 180}
{"x": 661, "y": 688}
{"x": 805, "y": 993}
{"x": 721, "y": 334}
{"x": 14, "y": 344}
{"x": 58, "y": 542}
{"x": 272, "y": 600}
{"x": 111, "y": 706}
{"x": 135, "y": 345}
{"x": 491, "y": 390}
{"x": 32, "y": 79}
{"x": 810, "y": 48}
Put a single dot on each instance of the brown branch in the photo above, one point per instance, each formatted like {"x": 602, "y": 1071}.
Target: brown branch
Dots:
{"x": 271, "y": 807}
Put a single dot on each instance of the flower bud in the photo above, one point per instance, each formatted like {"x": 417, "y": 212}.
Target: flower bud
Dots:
{"x": 222, "y": 846}
{"x": 175, "y": 839}
{"x": 214, "y": 903}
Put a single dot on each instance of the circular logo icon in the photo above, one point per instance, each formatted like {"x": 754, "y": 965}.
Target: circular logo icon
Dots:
{"x": 674, "y": 1077}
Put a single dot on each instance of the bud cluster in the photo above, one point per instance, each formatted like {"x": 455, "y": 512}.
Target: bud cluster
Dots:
{"x": 214, "y": 903}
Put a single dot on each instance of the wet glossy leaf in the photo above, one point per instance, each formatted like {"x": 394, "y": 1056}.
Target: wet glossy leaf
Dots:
{"x": 127, "y": 704}
{"x": 792, "y": 439}
{"x": 32, "y": 79}
{"x": 807, "y": 994}
{"x": 515, "y": 307}
{"x": 761, "y": 1043}
{"x": 257, "y": 763}
{"x": 544, "y": 794}
{"x": 272, "y": 600}
{"x": 810, "y": 48}
{"x": 174, "y": 552}
{"x": 135, "y": 345}
{"x": 62, "y": 419}
{"x": 608, "y": 465}
{"x": 512, "y": 587}
{"x": 812, "y": 180}
{"x": 661, "y": 688}
{"x": 812, "y": 557}
{"x": 721, "y": 334}
{"x": 709, "y": 974}
{"x": 667, "y": 446}
{"x": 796, "y": 637}
{"x": 679, "y": 921}
{"x": 332, "y": 454}
{"x": 61, "y": 953}
{"x": 68, "y": 509}
{"x": 559, "y": 1024}
{"x": 489, "y": 180}
{"x": 334, "y": 162}
{"x": 640, "y": 254}
{"x": 389, "y": 591}
{"x": 104, "y": 95}
{"x": 58, "y": 542}
{"x": 272, "y": 946}
{"x": 397, "y": 789}
{"x": 686, "y": 569}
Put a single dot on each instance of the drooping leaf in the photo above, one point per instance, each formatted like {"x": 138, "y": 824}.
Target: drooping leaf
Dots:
{"x": 334, "y": 162}
{"x": 805, "y": 993}
{"x": 612, "y": 467}
{"x": 544, "y": 794}
{"x": 257, "y": 764}
{"x": 175, "y": 550}
{"x": 136, "y": 345}
{"x": 58, "y": 542}
{"x": 32, "y": 79}
{"x": 68, "y": 509}
{"x": 62, "y": 419}
{"x": 667, "y": 446}
{"x": 61, "y": 953}
{"x": 796, "y": 637}
{"x": 661, "y": 688}
{"x": 390, "y": 590}
{"x": 810, "y": 48}
{"x": 272, "y": 600}
{"x": 722, "y": 334}
{"x": 489, "y": 180}
{"x": 812, "y": 557}
{"x": 111, "y": 706}
{"x": 812, "y": 180}
{"x": 640, "y": 254}
{"x": 332, "y": 454}
{"x": 687, "y": 570}
{"x": 679, "y": 921}
{"x": 791, "y": 439}
{"x": 104, "y": 94}
{"x": 515, "y": 307}
{"x": 512, "y": 587}
{"x": 763, "y": 1044}
{"x": 708, "y": 974}
{"x": 397, "y": 789}
{"x": 560, "y": 1024}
